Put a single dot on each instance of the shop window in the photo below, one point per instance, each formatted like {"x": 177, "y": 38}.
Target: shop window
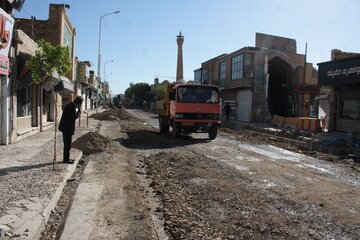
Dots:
{"x": 350, "y": 109}
{"x": 23, "y": 102}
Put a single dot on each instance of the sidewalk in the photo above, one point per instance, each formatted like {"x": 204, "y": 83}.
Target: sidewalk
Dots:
{"x": 29, "y": 187}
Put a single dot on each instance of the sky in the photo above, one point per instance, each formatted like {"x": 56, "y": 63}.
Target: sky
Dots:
{"x": 141, "y": 39}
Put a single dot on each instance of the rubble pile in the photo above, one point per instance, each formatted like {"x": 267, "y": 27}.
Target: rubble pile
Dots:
{"x": 92, "y": 142}
{"x": 202, "y": 199}
{"x": 112, "y": 115}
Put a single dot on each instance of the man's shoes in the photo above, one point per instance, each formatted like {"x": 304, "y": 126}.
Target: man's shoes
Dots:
{"x": 69, "y": 161}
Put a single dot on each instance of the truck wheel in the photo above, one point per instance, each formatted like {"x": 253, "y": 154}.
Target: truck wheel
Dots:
{"x": 213, "y": 132}
{"x": 175, "y": 131}
{"x": 163, "y": 127}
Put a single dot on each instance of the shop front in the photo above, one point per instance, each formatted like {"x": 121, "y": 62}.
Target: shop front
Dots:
{"x": 343, "y": 78}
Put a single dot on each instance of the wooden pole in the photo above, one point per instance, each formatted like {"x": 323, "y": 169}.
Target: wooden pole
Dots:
{"x": 54, "y": 161}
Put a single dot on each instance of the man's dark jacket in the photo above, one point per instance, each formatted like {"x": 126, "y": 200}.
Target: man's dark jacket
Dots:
{"x": 67, "y": 121}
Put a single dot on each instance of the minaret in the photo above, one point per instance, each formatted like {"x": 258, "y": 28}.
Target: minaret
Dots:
{"x": 179, "y": 69}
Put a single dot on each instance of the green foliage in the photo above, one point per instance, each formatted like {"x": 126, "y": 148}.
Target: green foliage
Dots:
{"x": 138, "y": 93}
{"x": 47, "y": 59}
{"x": 159, "y": 90}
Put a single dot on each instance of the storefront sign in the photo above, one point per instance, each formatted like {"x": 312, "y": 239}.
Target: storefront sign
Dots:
{"x": 6, "y": 30}
{"x": 308, "y": 88}
{"x": 344, "y": 71}
{"x": 4, "y": 65}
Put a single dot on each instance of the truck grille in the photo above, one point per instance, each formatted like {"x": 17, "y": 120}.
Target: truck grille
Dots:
{"x": 198, "y": 116}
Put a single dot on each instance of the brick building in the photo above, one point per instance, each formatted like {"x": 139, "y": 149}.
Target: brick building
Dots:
{"x": 57, "y": 30}
{"x": 262, "y": 81}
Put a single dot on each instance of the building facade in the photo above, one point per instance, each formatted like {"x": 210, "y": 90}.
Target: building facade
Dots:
{"x": 262, "y": 81}
{"x": 33, "y": 108}
{"x": 87, "y": 84}
{"x": 57, "y": 30}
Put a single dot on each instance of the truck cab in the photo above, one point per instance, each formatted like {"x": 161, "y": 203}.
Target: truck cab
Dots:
{"x": 190, "y": 108}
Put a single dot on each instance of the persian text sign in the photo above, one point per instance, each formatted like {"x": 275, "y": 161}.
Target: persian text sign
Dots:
{"x": 345, "y": 71}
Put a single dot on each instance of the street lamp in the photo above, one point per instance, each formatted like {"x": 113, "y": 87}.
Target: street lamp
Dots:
{"x": 107, "y": 88}
{"x": 105, "y": 68}
{"x": 99, "y": 52}
{"x": 107, "y": 76}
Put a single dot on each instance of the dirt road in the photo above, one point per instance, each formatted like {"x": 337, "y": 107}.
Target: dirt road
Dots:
{"x": 234, "y": 187}
{"x": 247, "y": 189}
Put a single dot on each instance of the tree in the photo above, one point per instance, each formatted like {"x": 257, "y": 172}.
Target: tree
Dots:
{"x": 159, "y": 90}
{"x": 138, "y": 93}
{"x": 47, "y": 60}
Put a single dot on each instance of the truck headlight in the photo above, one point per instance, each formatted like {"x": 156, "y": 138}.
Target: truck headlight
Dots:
{"x": 179, "y": 115}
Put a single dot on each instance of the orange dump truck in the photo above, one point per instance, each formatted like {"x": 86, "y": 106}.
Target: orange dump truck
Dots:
{"x": 189, "y": 108}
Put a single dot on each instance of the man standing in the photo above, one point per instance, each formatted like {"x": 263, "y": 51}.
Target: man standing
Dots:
{"x": 227, "y": 109}
{"x": 67, "y": 125}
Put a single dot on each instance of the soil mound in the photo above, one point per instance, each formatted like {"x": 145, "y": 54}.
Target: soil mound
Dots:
{"x": 92, "y": 142}
{"x": 111, "y": 115}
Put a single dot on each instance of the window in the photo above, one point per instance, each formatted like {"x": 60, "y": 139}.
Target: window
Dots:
{"x": 195, "y": 94}
{"x": 237, "y": 67}
{"x": 222, "y": 74}
{"x": 248, "y": 66}
{"x": 242, "y": 66}
{"x": 23, "y": 102}
{"x": 197, "y": 76}
{"x": 205, "y": 76}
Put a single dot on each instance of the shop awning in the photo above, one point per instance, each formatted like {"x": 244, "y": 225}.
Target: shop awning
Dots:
{"x": 92, "y": 88}
{"x": 64, "y": 87}
{"x": 61, "y": 84}
{"x": 51, "y": 81}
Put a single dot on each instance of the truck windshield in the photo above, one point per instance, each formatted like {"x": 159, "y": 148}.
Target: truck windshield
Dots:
{"x": 197, "y": 94}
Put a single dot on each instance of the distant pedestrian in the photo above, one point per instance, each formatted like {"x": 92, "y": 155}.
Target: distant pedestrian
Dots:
{"x": 67, "y": 125}
{"x": 227, "y": 110}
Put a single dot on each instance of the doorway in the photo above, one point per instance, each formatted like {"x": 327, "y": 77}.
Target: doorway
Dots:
{"x": 244, "y": 105}
{"x": 281, "y": 97}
